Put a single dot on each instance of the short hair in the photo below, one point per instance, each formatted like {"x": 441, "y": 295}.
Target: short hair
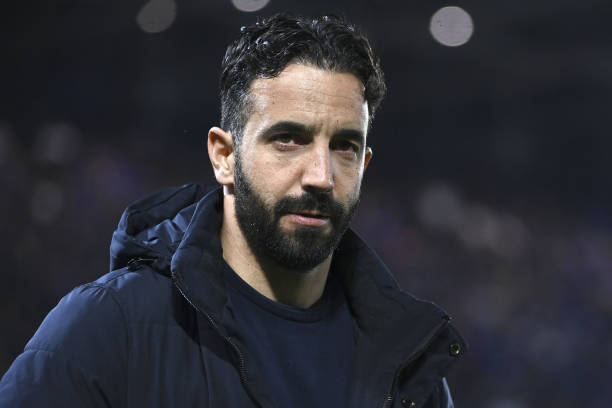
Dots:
{"x": 265, "y": 48}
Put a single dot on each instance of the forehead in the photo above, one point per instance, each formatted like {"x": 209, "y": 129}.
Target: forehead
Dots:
{"x": 309, "y": 95}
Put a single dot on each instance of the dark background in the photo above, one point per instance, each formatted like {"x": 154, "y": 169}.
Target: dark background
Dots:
{"x": 489, "y": 192}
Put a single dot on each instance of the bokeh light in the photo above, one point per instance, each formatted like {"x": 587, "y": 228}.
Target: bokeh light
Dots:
{"x": 475, "y": 225}
{"x": 250, "y": 6}
{"x": 156, "y": 16}
{"x": 451, "y": 26}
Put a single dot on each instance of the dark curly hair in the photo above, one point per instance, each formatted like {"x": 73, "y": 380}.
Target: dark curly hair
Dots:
{"x": 264, "y": 49}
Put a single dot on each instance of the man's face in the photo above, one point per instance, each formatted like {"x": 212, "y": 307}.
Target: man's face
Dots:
{"x": 299, "y": 166}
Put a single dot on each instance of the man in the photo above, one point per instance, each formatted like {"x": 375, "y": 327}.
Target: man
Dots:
{"x": 253, "y": 294}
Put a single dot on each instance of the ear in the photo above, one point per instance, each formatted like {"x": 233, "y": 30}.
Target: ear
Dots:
{"x": 221, "y": 154}
{"x": 367, "y": 158}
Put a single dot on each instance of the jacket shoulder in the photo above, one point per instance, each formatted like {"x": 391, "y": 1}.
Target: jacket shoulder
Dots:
{"x": 143, "y": 295}
{"x": 106, "y": 306}
{"x": 80, "y": 352}
{"x": 76, "y": 356}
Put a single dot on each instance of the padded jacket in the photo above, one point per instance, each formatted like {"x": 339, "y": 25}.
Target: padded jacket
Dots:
{"x": 157, "y": 331}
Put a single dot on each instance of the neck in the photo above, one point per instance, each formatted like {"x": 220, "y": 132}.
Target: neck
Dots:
{"x": 296, "y": 288}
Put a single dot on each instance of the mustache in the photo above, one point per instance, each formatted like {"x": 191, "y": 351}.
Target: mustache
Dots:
{"x": 320, "y": 202}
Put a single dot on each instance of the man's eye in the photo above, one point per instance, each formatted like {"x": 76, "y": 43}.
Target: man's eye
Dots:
{"x": 286, "y": 142}
{"x": 345, "y": 145}
{"x": 284, "y": 138}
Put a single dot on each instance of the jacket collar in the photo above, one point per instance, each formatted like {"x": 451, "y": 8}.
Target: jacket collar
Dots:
{"x": 370, "y": 288}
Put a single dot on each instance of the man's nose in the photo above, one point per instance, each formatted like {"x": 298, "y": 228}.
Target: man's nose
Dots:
{"x": 318, "y": 171}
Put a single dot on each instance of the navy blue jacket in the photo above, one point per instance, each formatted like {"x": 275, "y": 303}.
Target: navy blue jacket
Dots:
{"x": 157, "y": 331}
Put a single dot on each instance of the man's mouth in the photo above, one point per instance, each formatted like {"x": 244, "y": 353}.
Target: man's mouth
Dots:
{"x": 312, "y": 214}
{"x": 310, "y": 218}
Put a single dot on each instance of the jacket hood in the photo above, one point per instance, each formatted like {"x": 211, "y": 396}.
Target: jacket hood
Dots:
{"x": 153, "y": 227}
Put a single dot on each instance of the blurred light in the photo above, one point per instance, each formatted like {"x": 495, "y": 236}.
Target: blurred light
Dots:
{"x": 57, "y": 143}
{"x": 476, "y": 226}
{"x": 505, "y": 235}
{"x": 250, "y": 5}
{"x": 47, "y": 202}
{"x": 441, "y": 207}
{"x": 156, "y": 16}
{"x": 451, "y": 26}
{"x": 481, "y": 230}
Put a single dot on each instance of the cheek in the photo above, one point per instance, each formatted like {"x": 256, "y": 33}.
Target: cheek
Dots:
{"x": 348, "y": 174}
{"x": 347, "y": 186}
{"x": 271, "y": 177}
{"x": 280, "y": 171}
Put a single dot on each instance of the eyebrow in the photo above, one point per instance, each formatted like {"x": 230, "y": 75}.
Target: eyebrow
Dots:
{"x": 287, "y": 126}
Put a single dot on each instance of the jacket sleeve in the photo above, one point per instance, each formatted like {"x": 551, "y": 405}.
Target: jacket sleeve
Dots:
{"x": 77, "y": 357}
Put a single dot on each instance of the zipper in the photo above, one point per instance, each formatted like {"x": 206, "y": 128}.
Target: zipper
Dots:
{"x": 427, "y": 340}
{"x": 242, "y": 369}
{"x": 135, "y": 263}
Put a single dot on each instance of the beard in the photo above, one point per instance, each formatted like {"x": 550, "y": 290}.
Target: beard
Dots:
{"x": 301, "y": 249}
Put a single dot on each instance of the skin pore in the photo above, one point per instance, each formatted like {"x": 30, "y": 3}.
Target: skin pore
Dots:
{"x": 306, "y": 134}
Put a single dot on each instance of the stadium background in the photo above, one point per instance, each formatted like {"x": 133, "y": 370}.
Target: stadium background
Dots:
{"x": 489, "y": 192}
